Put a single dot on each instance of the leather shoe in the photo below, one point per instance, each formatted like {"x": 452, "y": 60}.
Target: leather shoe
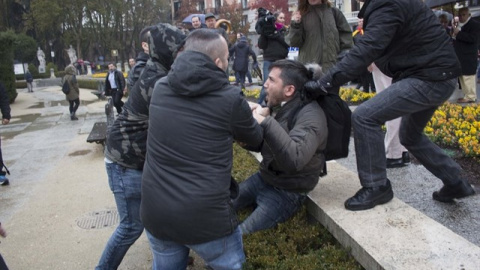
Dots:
{"x": 405, "y": 157}
{"x": 464, "y": 100}
{"x": 395, "y": 162}
{"x": 448, "y": 193}
{"x": 367, "y": 198}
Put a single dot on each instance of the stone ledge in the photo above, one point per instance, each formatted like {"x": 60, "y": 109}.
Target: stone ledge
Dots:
{"x": 390, "y": 236}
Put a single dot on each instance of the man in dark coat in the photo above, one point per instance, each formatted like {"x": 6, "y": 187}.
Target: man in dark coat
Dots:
{"x": 241, "y": 51}
{"x": 5, "y": 108}
{"x": 114, "y": 86}
{"x": 407, "y": 43}
{"x": 465, "y": 36}
{"x": 186, "y": 184}
{"x": 126, "y": 147}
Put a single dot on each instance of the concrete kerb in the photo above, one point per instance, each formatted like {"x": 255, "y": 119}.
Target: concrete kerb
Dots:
{"x": 390, "y": 236}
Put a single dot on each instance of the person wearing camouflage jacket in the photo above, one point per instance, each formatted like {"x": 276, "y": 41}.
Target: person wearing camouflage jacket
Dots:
{"x": 141, "y": 60}
{"x": 126, "y": 144}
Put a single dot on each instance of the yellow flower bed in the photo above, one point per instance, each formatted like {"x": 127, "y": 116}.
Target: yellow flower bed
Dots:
{"x": 254, "y": 93}
{"x": 104, "y": 75}
{"x": 452, "y": 125}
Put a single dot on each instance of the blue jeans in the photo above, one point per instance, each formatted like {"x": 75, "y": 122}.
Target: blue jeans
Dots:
{"x": 223, "y": 253}
{"x": 415, "y": 101}
{"x": 263, "y": 94}
{"x": 273, "y": 205}
{"x": 126, "y": 187}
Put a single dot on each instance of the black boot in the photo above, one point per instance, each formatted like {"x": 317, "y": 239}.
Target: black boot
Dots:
{"x": 73, "y": 117}
{"x": 367, "y": 198}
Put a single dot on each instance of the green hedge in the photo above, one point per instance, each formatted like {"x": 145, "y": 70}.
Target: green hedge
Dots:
{"x": 295, "y": 244}
{"x": 7, "y": 76}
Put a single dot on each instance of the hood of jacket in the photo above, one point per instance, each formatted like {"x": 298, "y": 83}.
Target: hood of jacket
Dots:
{"x": 70, "y": 70}
{"x": 194, "y": 74}
{"x": 164, "y": 42}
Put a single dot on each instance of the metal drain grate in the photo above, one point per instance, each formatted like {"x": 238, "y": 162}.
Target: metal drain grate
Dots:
{"x": 98, "y": 219}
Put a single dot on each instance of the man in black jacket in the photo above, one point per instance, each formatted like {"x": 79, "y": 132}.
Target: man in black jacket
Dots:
{"x": 465, "y": 41}
{"x": 294, "y": 138}
{"x": 5, "y": 109}
{"x": 114, "y": 85}
{"x": 407, "y": 43}
{"x": 195, "y": 115}
{"x": 126, "y": 147}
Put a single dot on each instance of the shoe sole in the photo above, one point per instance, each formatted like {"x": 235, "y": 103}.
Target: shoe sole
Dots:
{"x": 396, "y": 166}
{"x": 384, "y": 200}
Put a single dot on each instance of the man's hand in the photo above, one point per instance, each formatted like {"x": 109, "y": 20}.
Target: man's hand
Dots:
{"x": 317, "y": 88}
{"x": 260, "y": 113}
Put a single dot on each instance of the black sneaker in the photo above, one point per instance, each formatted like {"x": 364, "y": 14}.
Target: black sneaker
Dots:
{"x": 4, "y": 180}
{"x": 367, "y": 198}
{"x": 448, "y": 193}
{"x": 395, "y": 163}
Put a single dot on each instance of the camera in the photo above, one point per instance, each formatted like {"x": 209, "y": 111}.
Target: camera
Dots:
{"x": 265, "y": 23}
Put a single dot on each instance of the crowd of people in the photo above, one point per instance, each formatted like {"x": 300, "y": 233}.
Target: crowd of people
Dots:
{"x": 169, "y": 153}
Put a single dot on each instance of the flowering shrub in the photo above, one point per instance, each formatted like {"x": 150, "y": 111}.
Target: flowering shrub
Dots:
{"x": 354, "y": 96}
{"x": 456, "y": 126}
{"x": 104, "y": 74}
{"x": 254, "y": 93}
{"x": 452, "y": 125}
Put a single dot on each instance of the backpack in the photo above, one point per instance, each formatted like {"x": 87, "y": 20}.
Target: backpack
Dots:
{"x": 65, "y": 87}
{"x": 339, "y": 123}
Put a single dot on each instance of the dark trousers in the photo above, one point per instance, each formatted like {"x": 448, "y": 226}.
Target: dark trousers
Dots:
{"x": 117, "y": 95}
{"x": 74, "y": 105}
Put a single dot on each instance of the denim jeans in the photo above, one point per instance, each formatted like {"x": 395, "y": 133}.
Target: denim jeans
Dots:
{"x": 223, "y": 253}
{"x": 273, "y": 205}
{"x": 263, "y": 94}
{"x": 126, "y": 187}
{"x": 415, "y": 101}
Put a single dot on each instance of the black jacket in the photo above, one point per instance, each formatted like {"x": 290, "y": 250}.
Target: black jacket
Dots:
{"x": 466, "y": 46}
{"x": 119, "y": 80}
{"x": 293, "y": 159}
{"x": 127, "y": 138}
{"x": 135, "y": 72}
{"x": 274, "y": 47}
{"x": 195, "y": 116}
{"x": 4, "y": 103}
{"x": 405, "y": 40}
{"x": 241, "y": 50}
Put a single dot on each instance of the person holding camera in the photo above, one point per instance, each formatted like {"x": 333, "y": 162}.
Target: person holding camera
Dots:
{"x": 321, "y": 32}
{"x": 274, "y": 48}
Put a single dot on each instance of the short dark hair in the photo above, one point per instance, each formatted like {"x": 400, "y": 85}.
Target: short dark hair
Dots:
{"x": 145, "y": 33}
{"x": 204, "y": 40}
{"x": 292, "y": 73}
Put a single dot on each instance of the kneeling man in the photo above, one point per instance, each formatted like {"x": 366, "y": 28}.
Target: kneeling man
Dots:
{"x": 295, "y": 134}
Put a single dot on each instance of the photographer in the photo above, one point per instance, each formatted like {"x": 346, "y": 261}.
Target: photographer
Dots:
{"x": 271, "y": 42}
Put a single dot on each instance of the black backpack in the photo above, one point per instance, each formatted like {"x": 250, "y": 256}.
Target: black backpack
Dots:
{"x": 339, "y": 123}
